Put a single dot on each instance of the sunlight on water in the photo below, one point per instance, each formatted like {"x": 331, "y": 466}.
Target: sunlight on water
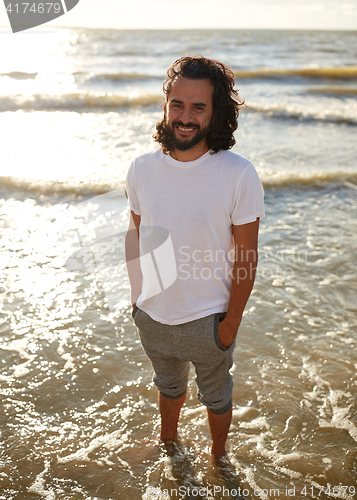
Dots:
{"x": 79, "y": 416}
{"x": 77, "y": 386}
{"x": 72, "y": 149}
{"x": 41, "y": 52}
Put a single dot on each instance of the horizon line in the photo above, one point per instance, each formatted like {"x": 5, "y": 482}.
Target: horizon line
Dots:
{"x": 44, "y": 27}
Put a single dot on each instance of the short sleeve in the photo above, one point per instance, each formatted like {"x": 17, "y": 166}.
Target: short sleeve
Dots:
{"x": 249, "y": 198}
{"x": 131, "y": 189}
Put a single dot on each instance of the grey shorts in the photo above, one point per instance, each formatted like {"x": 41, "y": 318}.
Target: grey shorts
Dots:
{"x": 171, "y": 348}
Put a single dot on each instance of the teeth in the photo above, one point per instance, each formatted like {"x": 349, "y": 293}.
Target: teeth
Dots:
{"x": 185, "y": 129}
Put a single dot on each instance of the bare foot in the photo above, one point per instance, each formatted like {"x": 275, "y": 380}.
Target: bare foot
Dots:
{"x": 220, "y": 460}
{"x": 218, "y": 456}
{"x": 226, "y": 471}
{"x": 170, "y": 446}
{"x": 170, "y": 439}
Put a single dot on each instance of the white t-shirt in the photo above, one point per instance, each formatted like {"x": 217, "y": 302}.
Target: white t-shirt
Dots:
{"x": 186, "y": 245}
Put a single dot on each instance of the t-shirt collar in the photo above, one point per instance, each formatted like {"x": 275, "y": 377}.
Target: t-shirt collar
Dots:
{"x": 185, "y": 164}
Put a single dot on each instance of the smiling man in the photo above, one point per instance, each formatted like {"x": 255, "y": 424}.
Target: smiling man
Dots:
{"x": 188, "y": 114}
{"x": 209, "y": 200}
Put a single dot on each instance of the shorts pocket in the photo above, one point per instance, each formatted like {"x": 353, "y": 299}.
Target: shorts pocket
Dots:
{"x": 134, "y": 311}
{"x": 217, "y": 319}
{"x": 141, "y": 318}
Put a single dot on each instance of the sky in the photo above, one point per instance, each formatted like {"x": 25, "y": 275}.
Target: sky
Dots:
{"x": 245, "y": 14}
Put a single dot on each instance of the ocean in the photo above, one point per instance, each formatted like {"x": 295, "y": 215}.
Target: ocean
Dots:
{"x": 78, "y": 407}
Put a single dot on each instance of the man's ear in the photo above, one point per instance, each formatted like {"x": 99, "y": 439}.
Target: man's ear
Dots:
{"x": 165, "y": 109}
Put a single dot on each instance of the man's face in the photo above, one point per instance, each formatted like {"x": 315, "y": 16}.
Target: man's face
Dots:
{"x": 188, "y": 111}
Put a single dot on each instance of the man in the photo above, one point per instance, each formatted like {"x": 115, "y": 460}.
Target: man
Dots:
{"x": 209, "y": 200}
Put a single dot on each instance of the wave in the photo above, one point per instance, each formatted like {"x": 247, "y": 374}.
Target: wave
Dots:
{"x": 91, "y": 101}
{"x": 334, "y": 91}
{"x": 57, "y": 188}
{"x": 20, "y": 75}
{"x": 300, "y": 113}
{"x": 317, "y": 180}
{"x": 338, "y": 73}
{"x": 117, "y": 77}
{"x": 76, "y": 101}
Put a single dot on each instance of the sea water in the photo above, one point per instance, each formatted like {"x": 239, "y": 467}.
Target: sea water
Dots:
{"x": 79, "y": 414}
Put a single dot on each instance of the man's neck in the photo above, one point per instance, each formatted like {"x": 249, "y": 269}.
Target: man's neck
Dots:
{"x": 191, "y": 154}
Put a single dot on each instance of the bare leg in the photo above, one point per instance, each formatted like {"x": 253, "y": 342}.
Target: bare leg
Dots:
{"x": 219, "y": 428}
{"x": 170, "y": 412}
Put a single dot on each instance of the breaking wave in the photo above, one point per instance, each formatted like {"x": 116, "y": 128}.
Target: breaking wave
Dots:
{"x": 338, "y": 73}
{"x": 316, "y": 180}
{"x": 20, "y": 75}
{"x": 76, "y": 101}
{"x": 334, "y": 91}
{"x": 117, "y": 77}
{"x": 57, "y": 188}
{"x": 300, "y": 113}
{"x": 90, "y": 101}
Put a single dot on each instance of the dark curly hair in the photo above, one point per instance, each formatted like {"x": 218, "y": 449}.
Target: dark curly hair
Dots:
{"x": 226, "y": 103}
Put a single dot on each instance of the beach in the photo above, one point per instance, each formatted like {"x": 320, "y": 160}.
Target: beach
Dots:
{"x": 79, "y": 408}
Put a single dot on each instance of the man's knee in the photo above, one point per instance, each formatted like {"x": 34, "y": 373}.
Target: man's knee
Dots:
{"x": 172, "y": 396}
{"x": 221, "y": 411}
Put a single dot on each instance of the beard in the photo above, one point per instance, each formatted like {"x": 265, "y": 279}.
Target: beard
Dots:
{"x": 186, "y": 144}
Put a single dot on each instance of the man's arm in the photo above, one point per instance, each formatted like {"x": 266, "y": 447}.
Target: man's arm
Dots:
{"x": 246, "y": 261}
{"x": 132, "y": 255}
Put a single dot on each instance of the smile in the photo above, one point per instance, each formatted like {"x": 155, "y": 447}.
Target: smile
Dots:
{"x": 185, "y": 129}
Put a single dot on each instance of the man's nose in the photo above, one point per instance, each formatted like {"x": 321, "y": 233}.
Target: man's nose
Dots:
{"x": 186, "y": 115}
